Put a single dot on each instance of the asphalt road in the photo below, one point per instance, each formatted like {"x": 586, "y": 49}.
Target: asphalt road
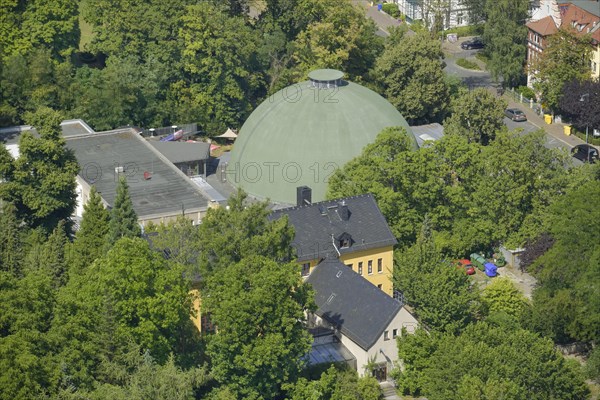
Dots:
{"x": 471, "y": 78}
{"x": 527, "y": 127}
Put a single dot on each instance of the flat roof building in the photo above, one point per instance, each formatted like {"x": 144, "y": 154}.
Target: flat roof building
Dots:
{"x": 158, "y": 189}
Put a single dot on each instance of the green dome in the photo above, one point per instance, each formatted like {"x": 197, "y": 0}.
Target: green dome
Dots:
{"x": 300, "y": 135}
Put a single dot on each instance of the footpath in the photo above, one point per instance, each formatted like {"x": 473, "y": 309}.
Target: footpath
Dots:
{"x": 382, "y": 20}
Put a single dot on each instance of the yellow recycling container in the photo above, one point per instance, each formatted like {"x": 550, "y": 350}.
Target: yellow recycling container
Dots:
{"x": 548, "y": 118}
{"x": 567, "y": 129}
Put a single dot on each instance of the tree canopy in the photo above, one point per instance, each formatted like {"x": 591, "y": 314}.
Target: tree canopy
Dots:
{"x": 474, "y": 196}
{"x": 409, "y": 73}
{"x": 564, "y": 59}
{"x": 258, "y": 307}
{"x": 41, "y": 182}
{"x": 487, "y": 361}
{"x": 566, "y": 307}
{"x": 580, "y": 103}
{"x": 440, "y": 293}
{"x": 478, "y": 114}
{"x": 504, "y": 34}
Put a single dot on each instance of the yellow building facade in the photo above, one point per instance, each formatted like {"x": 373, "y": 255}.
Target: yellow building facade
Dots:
{"x": 375, "y": 265}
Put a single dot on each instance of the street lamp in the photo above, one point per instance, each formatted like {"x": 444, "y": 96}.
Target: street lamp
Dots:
{"x": 582, "y": 99}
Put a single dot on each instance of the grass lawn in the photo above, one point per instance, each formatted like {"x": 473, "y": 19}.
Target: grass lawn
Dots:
{"x": 468, "y": 64}
{"x": 85, "y": 30}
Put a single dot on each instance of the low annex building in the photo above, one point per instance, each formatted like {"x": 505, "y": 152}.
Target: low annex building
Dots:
{"x": 351, "y": 229}
{"x": 359, "y": 316}
{"x": 159, "y": 190}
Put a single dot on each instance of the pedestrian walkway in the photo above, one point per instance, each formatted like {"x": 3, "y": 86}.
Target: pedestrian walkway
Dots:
{"x": 389, "y": 391}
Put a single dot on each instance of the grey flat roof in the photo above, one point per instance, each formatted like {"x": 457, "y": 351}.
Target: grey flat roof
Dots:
{"x": 351, "y": 303}
{"x": 429, "y": 132}
{"x": 74, "y": 127}
{"x": 179, "y": 152}
{"x": 166, "y": 192}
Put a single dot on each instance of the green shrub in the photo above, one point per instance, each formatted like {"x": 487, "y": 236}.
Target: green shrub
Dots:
{"x": 526, "y": 92}
{"x": 469, "y": 30}
{"x": 580, "y": 133}
{"x": 463, "y": 62}
{"x": 418, "y": 26}
{"x": 481, "y": 56}
{"x": 391, "y": 9}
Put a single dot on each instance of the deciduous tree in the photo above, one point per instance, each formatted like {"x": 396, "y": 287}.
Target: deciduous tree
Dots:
{"x": 42, "y": 183}
{"x": 336, "y": 384}
{"x": 580, "y": 103}
{"x": 565, "y": 58}
{"x": 341, "y": 39}
{"x": 566, "y": 307}
{"x": 410, "y": 74}
{"x": 228, "y": 235}
{"x": 218, "y": 57}
{"x": 487, "y": 361}
{"x": 258, "y": 308}
{"x": 130, "y": 294}
{"x": 476, "y": 114}
{"x": 502, "y": 295}
{"x": 11, "y": 248}
{"x": 504, "y": 34}
{"x": 439, "y": 292}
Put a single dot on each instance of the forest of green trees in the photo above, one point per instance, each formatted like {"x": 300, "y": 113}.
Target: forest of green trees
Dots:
{"x": 103, "y": 312}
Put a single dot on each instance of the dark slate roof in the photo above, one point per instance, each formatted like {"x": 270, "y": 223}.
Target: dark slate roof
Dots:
{"x": 316, "y": 223}
{"x": 166, "y": 192}
{"x": 178, "y": 152}
{"x": 351, "y": 303}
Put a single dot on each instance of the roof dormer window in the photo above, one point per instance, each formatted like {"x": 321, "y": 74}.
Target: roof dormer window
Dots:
{"x": 344, "y": 240}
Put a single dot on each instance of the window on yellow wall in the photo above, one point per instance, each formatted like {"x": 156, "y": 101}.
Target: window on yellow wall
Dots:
{"x": 305, "y": 269}
{"x": 360, "y": 268}
{"x": 349, "y": 266}
{"x": 370, "y": 267}
{"x": 380, "y": 286}
{"x": 379, "y": 265}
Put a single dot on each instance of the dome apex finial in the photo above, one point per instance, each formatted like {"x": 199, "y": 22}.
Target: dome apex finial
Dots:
{"x": 324, "y": 75}
{"x": 325, "y": 78}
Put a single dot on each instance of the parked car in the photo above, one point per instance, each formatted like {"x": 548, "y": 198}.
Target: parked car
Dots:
{"x": 475, "y": 43}
{"x": 515, "y": 114}
{"x": 585, "y": 153}
{"x": 466, "y": 265}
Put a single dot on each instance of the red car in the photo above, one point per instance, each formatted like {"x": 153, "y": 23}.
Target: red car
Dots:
{"x": 468, "y": 267}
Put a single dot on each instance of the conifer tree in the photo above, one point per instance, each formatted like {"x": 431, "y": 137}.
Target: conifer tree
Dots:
{"x": 53, "y": 255}
{"x": 10, "y": 243}
{"x": 123, "y": 219}
{"x": 92, "y": 237}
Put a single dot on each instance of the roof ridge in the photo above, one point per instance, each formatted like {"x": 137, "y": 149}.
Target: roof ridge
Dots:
{"x": 371, "y": 290}
{"x": 324, "y": 201}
